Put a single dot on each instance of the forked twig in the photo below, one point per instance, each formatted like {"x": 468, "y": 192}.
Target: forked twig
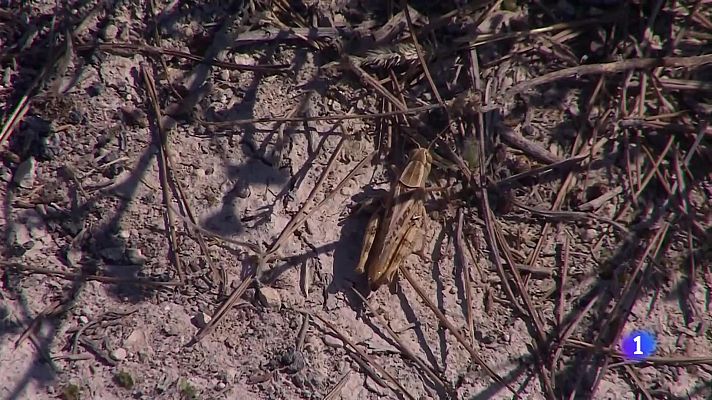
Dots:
{"x": 164, "y": 168}
{"x": 365, "y": 357}
{"x": 222, "y": 310}
{"x": 441, "y": 317}
{"x": 403, "y": 347}
{"x": 262, "y": 258}
{"x": 302, "y": 215}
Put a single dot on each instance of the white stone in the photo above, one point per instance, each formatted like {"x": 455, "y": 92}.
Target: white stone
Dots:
{"x": 119, "y": 354}
{"x": 135, "y": 257}
{"x": 270, "y": 297}
{"x": 136, "y": 341}
{"x": 332, "y": 341}
{"x": 201, "y": 319}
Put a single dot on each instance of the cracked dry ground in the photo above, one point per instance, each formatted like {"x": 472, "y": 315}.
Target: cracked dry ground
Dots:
{"x": 92, "y": 203}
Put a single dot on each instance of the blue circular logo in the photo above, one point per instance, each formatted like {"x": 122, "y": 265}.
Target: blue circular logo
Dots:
{"x": 638, "y": 345}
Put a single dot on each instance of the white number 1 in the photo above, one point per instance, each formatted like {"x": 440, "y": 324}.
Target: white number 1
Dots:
{"x": 638, "y": 351}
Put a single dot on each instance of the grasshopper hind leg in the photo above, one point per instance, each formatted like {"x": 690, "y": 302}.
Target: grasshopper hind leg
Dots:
{"x": 368, "y": 239}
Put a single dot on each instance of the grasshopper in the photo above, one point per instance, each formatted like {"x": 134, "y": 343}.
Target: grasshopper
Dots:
{"x": 392, "y": 232}
{"x": 391, "y": 235}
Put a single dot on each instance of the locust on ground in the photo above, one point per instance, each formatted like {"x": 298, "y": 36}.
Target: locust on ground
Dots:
{"x": 392, "y": 234}
{"x": 393, "y": 231}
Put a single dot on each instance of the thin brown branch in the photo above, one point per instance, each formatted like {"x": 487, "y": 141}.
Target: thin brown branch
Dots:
{"x": 336, "y": 117}
{"x": 405, "y": 349}
{"x": 610, "y": 68}
{"x": 531, "y": 148}
{"x": 74, "y": 276}
{"x": 130, "y": 48}
{"x": 455, "y": 332}
{"x": 222, "y": 310}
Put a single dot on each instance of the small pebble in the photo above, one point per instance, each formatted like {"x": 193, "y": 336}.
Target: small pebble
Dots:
{"x": 332, "y": 341}
{"x": 96, "y": 89}
{"x": 136, "y": 341}
{"x": 589, "y": 235}
{"x": 298, "y": 380}
{"x": 25, "y": 173}
{"x": 135, "y": 117}
{"x": 170, "y": 330}
{"x": 270, "y": 297}
{"x": 110, "y": 32}
{"x": 231, "y": 374}
{"x": 135, "y": 257}
{"x": 119, "y": 354}
{"x": 242, "y": 190}
{"x": 83, "y": 319}
{"x": 5, "y": 174}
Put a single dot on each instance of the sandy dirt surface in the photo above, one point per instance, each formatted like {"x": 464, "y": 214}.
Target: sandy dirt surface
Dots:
{"x": 90, "y": 305}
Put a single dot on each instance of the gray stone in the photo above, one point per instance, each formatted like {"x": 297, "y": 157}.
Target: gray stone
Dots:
{"x": 201, "y": 320}
{"x": 588, "y": 235}
{"x": 113, "y": 254}
{"x": 25, "y": 173}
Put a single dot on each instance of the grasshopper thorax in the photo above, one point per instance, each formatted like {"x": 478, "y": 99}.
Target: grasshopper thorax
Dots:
{"x": 417, "y": 170}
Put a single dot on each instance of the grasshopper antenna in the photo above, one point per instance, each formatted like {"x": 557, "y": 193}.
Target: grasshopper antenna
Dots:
{"x": 439, "y": 135}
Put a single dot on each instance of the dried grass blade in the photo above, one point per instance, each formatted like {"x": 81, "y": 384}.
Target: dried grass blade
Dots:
{"x": 611, "y": 68}
{"x": 219, "y": 273}
{"x": 460, "y": 254}
{"x": 302, "y": 214}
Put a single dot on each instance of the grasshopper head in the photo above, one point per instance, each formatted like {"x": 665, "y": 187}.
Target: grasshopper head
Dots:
{"x": 420, "y": 155}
